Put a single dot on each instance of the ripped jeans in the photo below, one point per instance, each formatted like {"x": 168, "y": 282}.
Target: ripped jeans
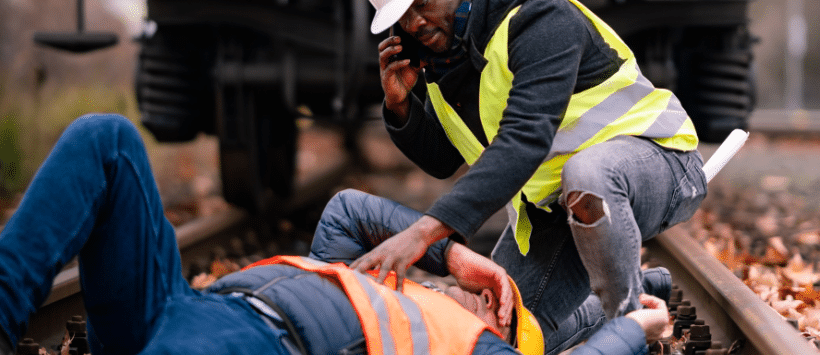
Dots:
{"x": 583, "y": 266}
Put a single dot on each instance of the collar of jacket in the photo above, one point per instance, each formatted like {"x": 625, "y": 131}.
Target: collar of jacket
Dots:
{"x": 439, "y": 64}
{"x": 484, "y": 17}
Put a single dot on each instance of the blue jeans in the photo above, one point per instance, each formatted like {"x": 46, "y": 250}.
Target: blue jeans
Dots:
{"x": 645, "y": 189}
{"x": 95, "y": 197}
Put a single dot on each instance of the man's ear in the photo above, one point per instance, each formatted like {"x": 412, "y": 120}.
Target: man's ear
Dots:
{"x": 488, "y": 299}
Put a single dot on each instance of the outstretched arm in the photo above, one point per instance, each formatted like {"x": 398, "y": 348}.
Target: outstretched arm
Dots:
{"x": 630, "y": 334}
{"x": 403, "y": 249}
{"x": 354, "y": 223}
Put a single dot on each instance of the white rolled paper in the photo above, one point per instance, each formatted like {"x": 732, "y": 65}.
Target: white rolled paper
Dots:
{"x": 724, "y": 153}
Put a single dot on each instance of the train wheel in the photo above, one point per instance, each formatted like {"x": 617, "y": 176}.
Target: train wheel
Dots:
{"x": 717, "y": 86}
{"x": 257, "y": 149}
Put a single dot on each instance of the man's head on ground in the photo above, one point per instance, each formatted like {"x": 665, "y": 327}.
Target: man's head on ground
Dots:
{"x": 432, "y": 22}
{"x": 524, "y": 333}
{"x": 484, "y": 305}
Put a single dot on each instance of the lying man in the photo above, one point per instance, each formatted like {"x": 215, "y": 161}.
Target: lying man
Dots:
{"x": 95, "y": 197}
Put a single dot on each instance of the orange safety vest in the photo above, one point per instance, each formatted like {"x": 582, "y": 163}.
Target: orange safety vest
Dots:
{"x": 415, "y": 321}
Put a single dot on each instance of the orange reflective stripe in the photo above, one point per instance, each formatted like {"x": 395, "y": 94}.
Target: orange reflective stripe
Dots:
{"x": 368, "y": 316}
{"x": 447, "y": 312}
{"x": 442, "y": 314}
{"x": 418, "y": 321}
{"x": 375, "y": 322}
{"x": 399, "y": 324}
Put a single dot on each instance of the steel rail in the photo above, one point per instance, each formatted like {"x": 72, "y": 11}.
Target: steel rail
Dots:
{"x": 723, "y": 301}
{"x": 785, "y": 122}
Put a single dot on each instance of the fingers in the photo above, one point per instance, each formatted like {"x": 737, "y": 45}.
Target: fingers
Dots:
{"x": 506, "y": 302}
{"x": 653, "y": 322}
{"x": 389, "y": 41}
{"x": 387, "y": 49}
{"x": 385, "y": 265}
{"x": 400, "y": 279}
{"x": 390, "y": 67}
{"x": 652, "y": 302}
{"x": 369, "y": 261}
{"x": 359, "y": 264}
{"x": 383, "y": 272}
{"x": 505, "y": 311}
{"x": 653, "y": 319}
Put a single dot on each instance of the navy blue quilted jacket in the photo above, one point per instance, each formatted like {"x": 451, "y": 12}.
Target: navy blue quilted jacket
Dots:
{"x": 352, "y": 224}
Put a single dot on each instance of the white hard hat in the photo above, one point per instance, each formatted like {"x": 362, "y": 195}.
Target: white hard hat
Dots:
{"x": 388, "y": 12}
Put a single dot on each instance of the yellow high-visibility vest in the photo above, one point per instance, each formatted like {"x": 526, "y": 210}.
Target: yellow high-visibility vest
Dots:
{"x": 625, "y": 104}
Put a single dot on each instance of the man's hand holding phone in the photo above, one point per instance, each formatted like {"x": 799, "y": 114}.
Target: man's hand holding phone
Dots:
{"x": 398, "y": 76}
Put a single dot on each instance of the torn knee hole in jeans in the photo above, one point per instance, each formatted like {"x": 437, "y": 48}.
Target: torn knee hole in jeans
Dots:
{"x": 585, "y": 207}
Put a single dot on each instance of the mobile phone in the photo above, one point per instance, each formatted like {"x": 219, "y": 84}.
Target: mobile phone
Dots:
{"x": 410, "y": 47}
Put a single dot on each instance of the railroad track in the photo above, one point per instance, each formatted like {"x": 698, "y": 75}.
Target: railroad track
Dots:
{"x": 734, "y": 314}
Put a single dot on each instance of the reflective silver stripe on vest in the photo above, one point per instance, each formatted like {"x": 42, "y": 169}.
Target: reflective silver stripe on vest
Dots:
{"x": 388, "y": 343}
{"x": 661, "y": 127}
{"x": 313, "y": 261}
{"x": 612, "y": 108}
{"x": 418, "y": 328}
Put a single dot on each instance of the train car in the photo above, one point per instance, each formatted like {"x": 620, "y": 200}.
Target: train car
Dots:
{"x": 244, "y": 70}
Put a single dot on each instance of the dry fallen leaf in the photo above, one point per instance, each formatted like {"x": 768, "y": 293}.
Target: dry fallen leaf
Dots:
{"x": 776, "y": 252}
{"x": 808, "y": 238}
{"x": 799, "y": 273}
{"x": 811, "y": 319}
{"x": 813, "y": 331}
{"x": 760, "y": 275}
{"x": 809, "y": 295}
{"x": 202, "y": 281}
{"x": 785, "y": 307}
{"x": 66, "y": 345}
{"x": 222, "y": 267}
{"x": 767, "y": 225}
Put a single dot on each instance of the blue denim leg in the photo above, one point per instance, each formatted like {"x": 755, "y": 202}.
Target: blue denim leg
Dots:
{"x": 551, "y": 277}
{"x": 94, "y": 196}
{"x": 579, "y": 326}
{"x": 647, "y": 189}
{"x": 213, "y": 324}
{"x": 589, "y": 317}
{"x": 644, "y": 189}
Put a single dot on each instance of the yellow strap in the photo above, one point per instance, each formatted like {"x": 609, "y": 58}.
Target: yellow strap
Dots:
{"x": 456, "y": 130}
{"x": 523, "y": 227}
{"x": 496, "y": 79}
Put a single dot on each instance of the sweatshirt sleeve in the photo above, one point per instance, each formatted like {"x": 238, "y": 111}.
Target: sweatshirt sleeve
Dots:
{"x": 621, "y": 336}
{"x": 490, "y": 344}
{"x": 423, "y": 141}
{"x": 547, "y": 41}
